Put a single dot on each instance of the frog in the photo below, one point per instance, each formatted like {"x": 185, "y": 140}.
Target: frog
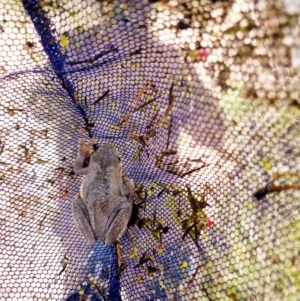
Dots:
{"x": 102, "y": 208}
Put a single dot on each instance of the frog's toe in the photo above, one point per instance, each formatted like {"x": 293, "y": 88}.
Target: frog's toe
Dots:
{"x": 92, "y": 142}
{"x": 81, "y": 141}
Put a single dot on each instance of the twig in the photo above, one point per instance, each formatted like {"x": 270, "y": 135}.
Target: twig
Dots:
{"x": 187, "y": 231}
{"x": 128, "y": 115}
{"x": 145, "y": 104}
{"x": 150, "y": 124}
{"x": 168, "y": 268}
{"x": 99, "y": 291}
{"x": 168, "y": 152}
{"x": 2, "y": 147}
{"x": 66, "y": 261}
{"x": 43, "y": 219}
{"x": 169, "y": 132}
{"x": 186, "y": 173}
{"x": 101, "y": 97}
{"x": 118, "y": 253}
{"x": 196, "y": 160}
{"x": 171, "y": 163}
{"x": 193, "y": 278}
{"x": 64, "y": 267}
{"x": 171, "y": 101}
{"x": 195, "y": 169}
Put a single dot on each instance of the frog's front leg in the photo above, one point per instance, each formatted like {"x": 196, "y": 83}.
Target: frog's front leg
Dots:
{"x": 117, "y": 222}
{"x": 82, "y": 220}
{"x": 84, "y": 154}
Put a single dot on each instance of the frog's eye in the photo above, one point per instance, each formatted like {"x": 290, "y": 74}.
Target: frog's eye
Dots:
{"x": 119, "y": 159}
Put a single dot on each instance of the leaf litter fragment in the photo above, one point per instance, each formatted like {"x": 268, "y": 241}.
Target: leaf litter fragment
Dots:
{"x": 169, "y": 107}
{"x": 140, "y": 94}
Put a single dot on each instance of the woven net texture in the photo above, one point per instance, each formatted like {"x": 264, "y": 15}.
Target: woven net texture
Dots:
{"x": 201, "y": 99}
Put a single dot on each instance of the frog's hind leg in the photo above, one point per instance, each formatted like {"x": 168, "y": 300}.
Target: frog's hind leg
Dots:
{"x": 82, "y": 221}
{"x": 128, "y": 186}
{"x": 117, "y": 222}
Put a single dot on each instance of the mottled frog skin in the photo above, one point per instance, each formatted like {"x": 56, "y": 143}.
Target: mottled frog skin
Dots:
{"x": 103, "y": 207}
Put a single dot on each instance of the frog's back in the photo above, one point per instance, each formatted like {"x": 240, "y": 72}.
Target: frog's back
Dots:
{"x": 93, "y": 187}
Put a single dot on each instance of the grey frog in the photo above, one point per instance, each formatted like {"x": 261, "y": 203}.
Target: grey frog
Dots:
{"x": 103, "y": 207}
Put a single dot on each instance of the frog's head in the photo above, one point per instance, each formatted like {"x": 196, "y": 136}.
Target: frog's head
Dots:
{"x": 106, "y": 155}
